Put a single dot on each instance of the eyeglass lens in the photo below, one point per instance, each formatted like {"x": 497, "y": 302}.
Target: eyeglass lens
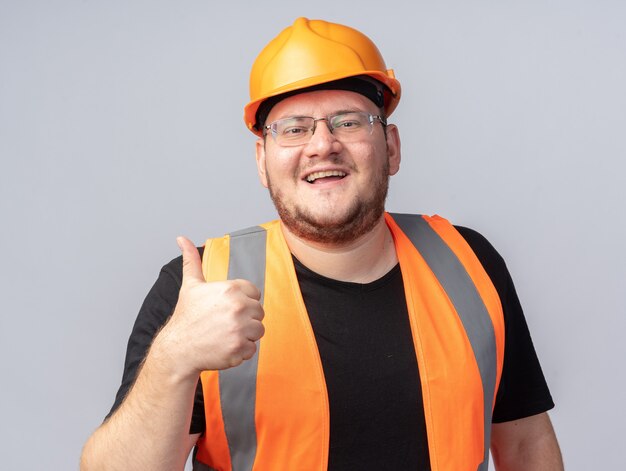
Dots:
{"x": 346, "y": 127}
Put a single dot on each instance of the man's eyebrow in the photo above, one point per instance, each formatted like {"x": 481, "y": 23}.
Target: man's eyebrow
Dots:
{"x": 293, "y": 116}
{"x": 334, "y": 113}
{"x": 347, "y": 110}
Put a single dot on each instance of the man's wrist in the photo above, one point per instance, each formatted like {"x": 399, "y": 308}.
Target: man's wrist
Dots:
{"x": 166, "y": 359}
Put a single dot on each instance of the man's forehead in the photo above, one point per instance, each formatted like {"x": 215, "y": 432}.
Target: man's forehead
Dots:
{"x": 321, "y": 103}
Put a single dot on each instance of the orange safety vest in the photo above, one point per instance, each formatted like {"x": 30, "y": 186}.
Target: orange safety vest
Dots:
{"x": 271, "y": 412}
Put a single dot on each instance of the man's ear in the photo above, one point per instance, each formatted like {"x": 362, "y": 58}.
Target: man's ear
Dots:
{"x": 393, "y": 148}
{"x": 260, "y": 161}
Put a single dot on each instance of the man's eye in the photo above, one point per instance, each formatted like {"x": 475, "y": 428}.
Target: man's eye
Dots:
{"x": 294, "y": 131}
{"x": 348, "y": 124}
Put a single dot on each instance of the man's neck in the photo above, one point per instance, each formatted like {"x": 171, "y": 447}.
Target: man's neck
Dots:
{"x": 361, "y": 261}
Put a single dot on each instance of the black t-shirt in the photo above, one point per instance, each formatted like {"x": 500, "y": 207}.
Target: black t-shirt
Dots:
{"x": 369, "y": 365}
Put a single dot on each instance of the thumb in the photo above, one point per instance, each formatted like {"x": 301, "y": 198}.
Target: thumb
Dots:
{"x": 192, "y": 265}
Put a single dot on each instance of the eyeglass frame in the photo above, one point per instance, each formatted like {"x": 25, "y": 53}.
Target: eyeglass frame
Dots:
{"x": 370, "y": 117}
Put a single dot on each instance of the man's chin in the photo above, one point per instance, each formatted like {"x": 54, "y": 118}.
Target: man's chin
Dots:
{"x": 335, "y": 229}
{"x": 339, "y": 225}
{"x": 326, "y": 221}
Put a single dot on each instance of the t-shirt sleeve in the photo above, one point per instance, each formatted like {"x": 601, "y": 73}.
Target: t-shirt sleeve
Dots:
{"x": 523, "y": 390}
{"x": 153, "y": 314}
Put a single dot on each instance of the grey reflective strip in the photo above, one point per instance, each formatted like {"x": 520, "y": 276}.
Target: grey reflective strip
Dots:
{"x": 238, "y": 385}
{"x": 247, "y": 256}
{"x": 466, "y": 300}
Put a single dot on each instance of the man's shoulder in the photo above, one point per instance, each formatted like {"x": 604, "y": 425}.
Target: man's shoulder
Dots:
{"x": 478, "y": 242}
{"x": 490, "y": 259}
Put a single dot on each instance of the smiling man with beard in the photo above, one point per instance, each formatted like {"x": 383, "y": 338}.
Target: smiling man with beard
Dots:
{"x": 329, "y": 191}
{"x": 339, "y": 336}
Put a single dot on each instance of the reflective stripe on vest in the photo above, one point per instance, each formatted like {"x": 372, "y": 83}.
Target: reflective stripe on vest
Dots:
{"x": 242, "y": 435}
{"x": 467, "y": 302}
{"x": 246, "y": 262}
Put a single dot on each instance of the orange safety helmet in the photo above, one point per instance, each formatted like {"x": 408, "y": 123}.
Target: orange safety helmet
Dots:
{"x": 313, "y": 52}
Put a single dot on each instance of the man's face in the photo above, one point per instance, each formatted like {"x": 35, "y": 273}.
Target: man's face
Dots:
{"x": 334, "y": 209}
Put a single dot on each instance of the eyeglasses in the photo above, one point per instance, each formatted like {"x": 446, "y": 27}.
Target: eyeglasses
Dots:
{"x": 352, "y": 126}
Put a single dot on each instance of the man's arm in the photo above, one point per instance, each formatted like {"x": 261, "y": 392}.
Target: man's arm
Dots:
{"x": 527, "y": 444}
{"x": 214, "y": 326}
{"x": 150, "y": 430}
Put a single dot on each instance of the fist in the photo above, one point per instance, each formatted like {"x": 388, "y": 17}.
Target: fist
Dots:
{"x": 214, "y": 325}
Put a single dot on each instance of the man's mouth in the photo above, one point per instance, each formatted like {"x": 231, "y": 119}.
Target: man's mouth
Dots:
{"x": 327, "y": 175}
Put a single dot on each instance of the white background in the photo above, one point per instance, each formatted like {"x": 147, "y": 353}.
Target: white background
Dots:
{"x": 121, "y": 127}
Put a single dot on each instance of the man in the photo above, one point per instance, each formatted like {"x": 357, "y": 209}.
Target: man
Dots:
{"x": 339, "y": 337}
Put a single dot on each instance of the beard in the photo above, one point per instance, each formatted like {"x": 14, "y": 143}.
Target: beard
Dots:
{"x": 361, "y": 216}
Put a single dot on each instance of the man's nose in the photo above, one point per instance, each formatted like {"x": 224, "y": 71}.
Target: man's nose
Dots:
{"x": 323, "y": 141}
{"x": 315, "y": 124}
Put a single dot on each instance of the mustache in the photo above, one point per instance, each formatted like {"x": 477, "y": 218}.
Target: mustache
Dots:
{"x": 311, "y": 163}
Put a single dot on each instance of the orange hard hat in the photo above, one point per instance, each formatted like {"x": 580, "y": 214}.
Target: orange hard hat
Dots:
{"x": 314, "y": 52}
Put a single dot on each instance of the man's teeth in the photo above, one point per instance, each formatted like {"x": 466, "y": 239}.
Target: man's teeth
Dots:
{"x": 328, "y": 173}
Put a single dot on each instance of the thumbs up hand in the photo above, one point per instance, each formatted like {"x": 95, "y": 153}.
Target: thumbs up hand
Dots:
{"x": 214, "y": 325}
